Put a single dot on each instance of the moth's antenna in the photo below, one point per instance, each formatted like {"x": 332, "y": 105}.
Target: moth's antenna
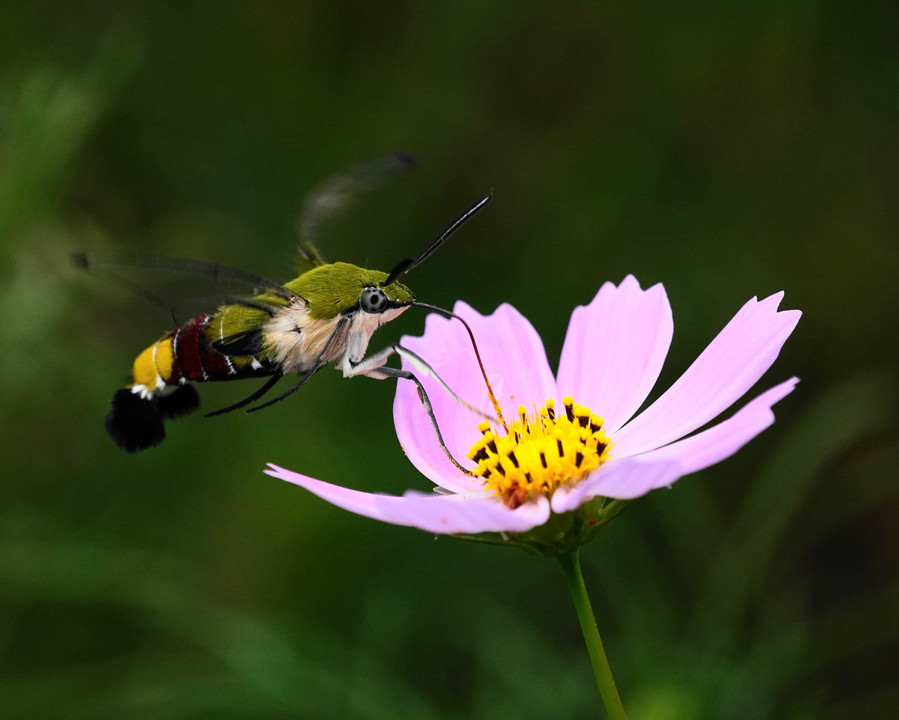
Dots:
{"x": 404, "y": 266}
{"x": 474, "y": 344}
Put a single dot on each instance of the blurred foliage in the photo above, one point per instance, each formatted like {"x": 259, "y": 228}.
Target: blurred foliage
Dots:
{"x": 725, "y": 150}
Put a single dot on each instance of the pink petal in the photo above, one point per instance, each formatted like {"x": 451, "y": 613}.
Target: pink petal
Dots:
{"x": 614, "y": 349}
{"x": 622, "y": 479}
{"x": 515, "y": 361}
{"x": 731, "y": 364}
{"x": 724, "y": 439}
{"x": 439, "y": 514}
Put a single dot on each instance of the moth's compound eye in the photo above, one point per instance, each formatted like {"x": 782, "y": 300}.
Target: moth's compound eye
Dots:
{"x": 373, "y": 300}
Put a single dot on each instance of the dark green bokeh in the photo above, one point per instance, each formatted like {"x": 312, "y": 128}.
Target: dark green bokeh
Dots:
{"x": 726, "y": 151}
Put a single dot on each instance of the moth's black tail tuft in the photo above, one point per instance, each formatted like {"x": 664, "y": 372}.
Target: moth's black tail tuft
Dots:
{"x": 136, "y": 423}
{"x": 182, "y": 400}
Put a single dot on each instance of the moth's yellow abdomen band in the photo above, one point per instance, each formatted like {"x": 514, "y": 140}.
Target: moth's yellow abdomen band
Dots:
{"x": 153, "y": 366}
{"x": 145, "y": 369}
{"x": 164, "y": 359}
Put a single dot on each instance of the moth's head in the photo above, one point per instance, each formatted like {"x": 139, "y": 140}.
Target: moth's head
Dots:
{"x": 341, "y": 288}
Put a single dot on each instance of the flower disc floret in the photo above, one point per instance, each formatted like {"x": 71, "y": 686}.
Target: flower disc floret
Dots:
{"x": 540, "y": 452}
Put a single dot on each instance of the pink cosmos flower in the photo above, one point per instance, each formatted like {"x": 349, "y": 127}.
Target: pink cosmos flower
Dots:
{"x": 569, "y": 438}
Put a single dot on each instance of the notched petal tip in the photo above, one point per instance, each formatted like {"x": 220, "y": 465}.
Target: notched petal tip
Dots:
{"x": 731, "y": 364}
{"x": 720, "y": 441}
{"x": 615, "y": 348}
{"x": 276, "y": 471}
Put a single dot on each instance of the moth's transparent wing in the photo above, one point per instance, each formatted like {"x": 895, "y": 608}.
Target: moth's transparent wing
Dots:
{"x": 339, "y": 191}
{"x": 184, "y": 288}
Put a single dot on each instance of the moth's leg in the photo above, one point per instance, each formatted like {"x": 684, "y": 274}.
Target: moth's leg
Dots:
{"x": 365, "y": 365}
{"x": 422, "y": 368}
{"x": 390, "y": 372}
{"x": 371, "y": 364}
{"x": 268, "y": 385}
{"x": 320, "y": 362}
{"x": 291, "y": 391}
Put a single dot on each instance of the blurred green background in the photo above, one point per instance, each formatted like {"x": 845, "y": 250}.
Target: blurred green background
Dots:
{"x": 727, "y": 150}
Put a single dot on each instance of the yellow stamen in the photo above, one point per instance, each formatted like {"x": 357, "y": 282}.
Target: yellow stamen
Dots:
{"x": 540, "y": 451}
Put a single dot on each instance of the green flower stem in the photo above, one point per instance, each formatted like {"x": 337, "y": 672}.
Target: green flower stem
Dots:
{"x": 571, "y": 566}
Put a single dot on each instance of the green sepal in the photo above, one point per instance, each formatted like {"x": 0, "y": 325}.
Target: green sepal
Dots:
{"x": 562, "y": 533}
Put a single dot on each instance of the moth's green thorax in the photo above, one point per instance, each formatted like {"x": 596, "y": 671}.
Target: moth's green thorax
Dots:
{"x": 335, "y": 288}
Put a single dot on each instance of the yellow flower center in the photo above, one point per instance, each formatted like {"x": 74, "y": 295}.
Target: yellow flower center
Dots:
{"x": 540, "y": 451}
